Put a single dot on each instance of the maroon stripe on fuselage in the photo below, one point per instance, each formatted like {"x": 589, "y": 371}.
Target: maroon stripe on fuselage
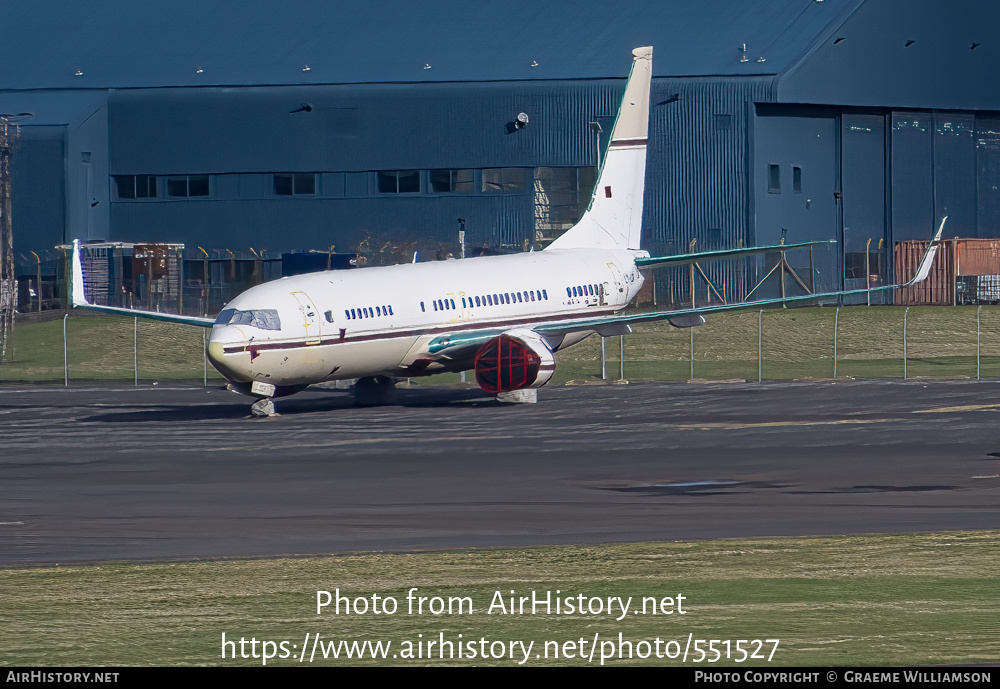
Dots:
{"x": 628, "y": 142}
{"x": 297, "y": 344}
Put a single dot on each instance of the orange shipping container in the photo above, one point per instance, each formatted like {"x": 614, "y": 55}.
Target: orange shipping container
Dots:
{"x": 956, "y": 257}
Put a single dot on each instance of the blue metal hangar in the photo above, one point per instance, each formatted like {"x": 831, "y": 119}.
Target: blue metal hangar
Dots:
{"x": 282, "y": 126}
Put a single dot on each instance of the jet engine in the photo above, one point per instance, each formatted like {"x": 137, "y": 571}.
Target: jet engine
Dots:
{"x": 514, "y": 360}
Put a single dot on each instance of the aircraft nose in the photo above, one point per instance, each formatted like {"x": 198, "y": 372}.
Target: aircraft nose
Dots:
{"x": 234, "y": 365}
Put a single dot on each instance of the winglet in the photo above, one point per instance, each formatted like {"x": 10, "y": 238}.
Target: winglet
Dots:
{"x": 78, "y": 297}
{"x": 924, "y": 269}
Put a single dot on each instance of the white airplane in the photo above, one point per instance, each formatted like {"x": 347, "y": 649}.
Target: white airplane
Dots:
{"x": 501, "y": 316}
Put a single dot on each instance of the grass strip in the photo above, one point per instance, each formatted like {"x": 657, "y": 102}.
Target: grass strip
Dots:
{"x": 848, "y": 600}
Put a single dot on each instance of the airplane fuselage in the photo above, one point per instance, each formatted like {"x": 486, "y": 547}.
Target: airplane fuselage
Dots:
{"x": 411, "y": 319}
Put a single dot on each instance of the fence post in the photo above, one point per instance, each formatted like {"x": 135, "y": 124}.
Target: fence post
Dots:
{"x": 759, "y": 355}
{"x": 904, "y": 340}
{"x": 621, "y": 356}
{"x": 65, "y": 354}
{"x": 204, "y": 358}
{"x": 692, "y": 354}
{"x": 135, "y": 351}
{"x": 977, "y": 340}
{"x": 604, "y": 358}
{"x": 836, "y": 321}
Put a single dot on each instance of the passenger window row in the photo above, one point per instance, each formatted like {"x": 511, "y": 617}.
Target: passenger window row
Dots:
{"x": 366, "y": 312}
{"x": 489, "y": 300}
{"x": 508, "y": 298}
{"x": 442, "y": 304}
{"x": 583, "y": 291}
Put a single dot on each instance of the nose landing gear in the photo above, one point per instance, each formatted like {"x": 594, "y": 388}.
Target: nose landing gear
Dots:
{"x": 263, "y": 408}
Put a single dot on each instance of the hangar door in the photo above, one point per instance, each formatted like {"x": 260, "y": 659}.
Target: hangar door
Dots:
{"x": 796, "y": 189}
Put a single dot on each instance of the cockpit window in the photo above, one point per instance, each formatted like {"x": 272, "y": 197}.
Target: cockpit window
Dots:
{"x": 265, "y": 319}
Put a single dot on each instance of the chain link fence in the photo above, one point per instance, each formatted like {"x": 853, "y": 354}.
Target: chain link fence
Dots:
{"x": 780, "y": 344}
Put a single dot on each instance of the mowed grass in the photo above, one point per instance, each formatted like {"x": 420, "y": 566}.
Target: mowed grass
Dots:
{"x": 862, "y": 600}
{"x": 794, "y": 344}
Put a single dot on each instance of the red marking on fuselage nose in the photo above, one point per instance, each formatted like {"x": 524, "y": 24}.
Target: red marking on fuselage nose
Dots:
{"x": 254, "y": 353}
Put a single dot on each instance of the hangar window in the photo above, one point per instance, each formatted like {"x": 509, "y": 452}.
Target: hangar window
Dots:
{"x": 796, "y": 180}
{"x": 398, "y": 181}
{"x": 448, "y": 181}
{"x": 187, "y": 185}
{"x": 135, "y": 186}
{"x": 295, "y": 184}
{"x": 504, "y": 179}
{"x": 773, "y": 179}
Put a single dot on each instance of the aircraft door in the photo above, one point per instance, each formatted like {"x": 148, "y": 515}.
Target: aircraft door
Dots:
{"x": 618, "y": 292}
{"x": 797, "y": 189}
{"x": 310, "y": 317}
{"x": 465, "y": 304}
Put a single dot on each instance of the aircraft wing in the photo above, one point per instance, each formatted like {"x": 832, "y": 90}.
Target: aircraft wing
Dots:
{"x": 689, "y": 316}
{"x": 683, "y": 259}
{"x": 78, "y": 299}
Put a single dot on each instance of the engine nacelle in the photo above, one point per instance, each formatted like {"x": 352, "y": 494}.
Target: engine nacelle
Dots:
{"x": 514, "y": 360}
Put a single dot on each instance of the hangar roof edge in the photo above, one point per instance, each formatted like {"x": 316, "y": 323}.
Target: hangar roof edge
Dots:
{"x": 58, "y": 44}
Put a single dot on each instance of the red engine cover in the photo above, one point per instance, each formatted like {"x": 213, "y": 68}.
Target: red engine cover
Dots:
{"x": 510, "y": 363}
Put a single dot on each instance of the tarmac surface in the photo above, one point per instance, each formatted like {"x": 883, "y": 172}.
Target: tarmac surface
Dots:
{"x": 111, "y": 473}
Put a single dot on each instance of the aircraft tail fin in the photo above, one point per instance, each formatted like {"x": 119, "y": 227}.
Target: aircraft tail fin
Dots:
{"x": 614, "y": 218}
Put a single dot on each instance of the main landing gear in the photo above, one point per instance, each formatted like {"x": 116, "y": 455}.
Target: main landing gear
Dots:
{"x": 372, "y": 391}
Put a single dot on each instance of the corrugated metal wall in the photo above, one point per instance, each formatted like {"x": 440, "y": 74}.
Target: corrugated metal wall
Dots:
{"x": 353, "y": 128}
{"x": 240, "y": 136}
{"x": 699, "y": 175}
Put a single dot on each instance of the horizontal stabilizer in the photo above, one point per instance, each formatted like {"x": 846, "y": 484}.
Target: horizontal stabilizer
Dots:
{"x": 683, "y": 259}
